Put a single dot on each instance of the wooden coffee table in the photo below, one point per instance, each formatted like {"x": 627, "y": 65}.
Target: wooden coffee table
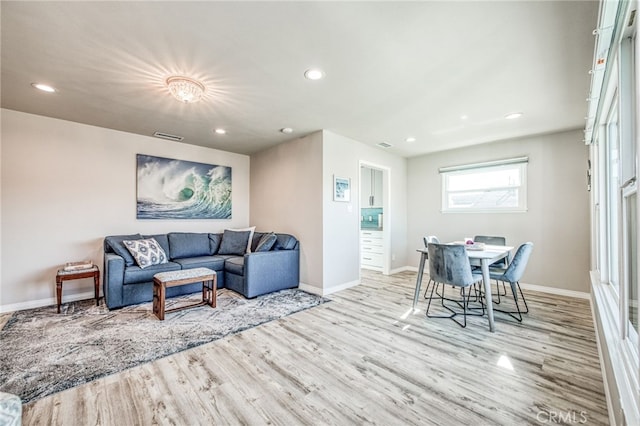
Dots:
{"x": 163, "y": 280}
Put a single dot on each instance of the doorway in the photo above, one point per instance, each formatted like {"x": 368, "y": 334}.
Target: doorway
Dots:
{"x": 375, "y": 214}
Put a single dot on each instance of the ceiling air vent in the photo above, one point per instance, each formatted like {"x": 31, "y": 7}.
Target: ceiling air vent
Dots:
{"x": 168, "y": 136}
{"x": 385, "y": 145}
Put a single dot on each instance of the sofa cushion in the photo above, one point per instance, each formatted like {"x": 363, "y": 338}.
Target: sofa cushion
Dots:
{"x": 235, "y": 265}
{"x": 266, "y": 242}
{"x": 285, "y": 242}
{"x": 163, "y": 240}
{"x": 188, "y": 244}
{"x": 212, "y": 262}
{"x": 234, "y": 242}
{"x": 214, "y": 243}
{"x": 115, "y": 242}
{"x": 256, "y": 240}
{"x": 135, "y": 274}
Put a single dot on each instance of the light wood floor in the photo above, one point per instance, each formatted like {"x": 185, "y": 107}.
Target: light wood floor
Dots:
{"x": 362, "y": 359}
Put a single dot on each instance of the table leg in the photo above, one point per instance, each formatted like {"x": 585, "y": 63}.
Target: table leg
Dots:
{"x": 158, "y": 299}
{"x": 59, "y": 292}
{"x": 487, "y": 293}
{"x": 96, "y": 284}
{"x": 423, "y": 257}
{"x": 214, "y": 296}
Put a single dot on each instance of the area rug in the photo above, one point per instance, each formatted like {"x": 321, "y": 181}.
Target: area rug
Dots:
{"x": 43, "y": 352}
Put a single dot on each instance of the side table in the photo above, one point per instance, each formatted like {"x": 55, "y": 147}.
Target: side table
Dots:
{"x": 63, "y": 275}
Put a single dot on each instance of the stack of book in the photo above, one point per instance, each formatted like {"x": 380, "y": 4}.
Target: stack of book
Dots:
{"x": 78, "y": 266}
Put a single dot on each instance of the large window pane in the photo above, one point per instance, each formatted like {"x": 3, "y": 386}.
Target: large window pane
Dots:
{"x": 631, "y": 218}
{"x": 613, "y": 197}
{"x": 485, "y": 189}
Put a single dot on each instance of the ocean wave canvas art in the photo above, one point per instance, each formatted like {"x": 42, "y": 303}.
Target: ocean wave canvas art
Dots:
{"x": 177, "y": 189}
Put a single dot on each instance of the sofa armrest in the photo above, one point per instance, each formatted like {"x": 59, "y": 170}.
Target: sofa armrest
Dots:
{"x": 269, "y": 271}
{"x": 113, "y": 280}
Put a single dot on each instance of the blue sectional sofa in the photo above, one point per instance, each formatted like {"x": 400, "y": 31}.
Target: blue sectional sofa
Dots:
{"x": 248, "y": 273}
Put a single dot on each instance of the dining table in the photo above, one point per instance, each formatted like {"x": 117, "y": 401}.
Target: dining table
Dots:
{"x": 484, "y": 255}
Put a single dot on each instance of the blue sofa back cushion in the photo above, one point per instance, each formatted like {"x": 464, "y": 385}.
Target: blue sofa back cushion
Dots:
{"x": 234, "y": 242}
{"x": 116, "y": 245}
{"x": 214, "y": 242}
{"x": 188, "y": 244}
{"x": 162, "y": 239}
{"x": 256, "y": 239}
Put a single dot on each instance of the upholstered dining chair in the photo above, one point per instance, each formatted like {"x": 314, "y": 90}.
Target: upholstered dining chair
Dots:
{"x": 430, "y": 239}
{"x": 502, "y": 263}
{"x": 512, "y": 275}
{"x": 449, "y": 264}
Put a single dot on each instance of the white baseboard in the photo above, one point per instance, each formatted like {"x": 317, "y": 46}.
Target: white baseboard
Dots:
{"x": 556, "y": 291}
{"x": 326, "y": 291}
{"x": 533, "y": 287}
{"x": 50, "y": 301}
{"x": 404, "y": 269}
{"x": 310, "y": 289}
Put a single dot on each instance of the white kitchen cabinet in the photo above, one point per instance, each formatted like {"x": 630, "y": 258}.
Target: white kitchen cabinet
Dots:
{"x": 371, "y": 187}
{"x": 371, "y": 250}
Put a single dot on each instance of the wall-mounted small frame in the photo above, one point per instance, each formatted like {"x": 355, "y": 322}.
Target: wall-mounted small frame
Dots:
{"x": 341, "y": 189}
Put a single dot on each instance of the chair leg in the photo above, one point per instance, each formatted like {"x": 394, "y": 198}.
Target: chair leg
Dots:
{"x": 515, "y": 288}
{"x": 426, "y": 290}
{"x": 466, "y": 299}
{"x": 523, "y": 299}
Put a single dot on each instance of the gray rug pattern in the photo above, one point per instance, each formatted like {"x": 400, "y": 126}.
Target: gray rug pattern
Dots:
{"x": 43, "y": 352}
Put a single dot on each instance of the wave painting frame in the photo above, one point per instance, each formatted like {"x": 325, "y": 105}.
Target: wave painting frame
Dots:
{"x": 168, "y": 188}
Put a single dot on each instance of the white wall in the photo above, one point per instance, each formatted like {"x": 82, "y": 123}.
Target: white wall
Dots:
{"x": 65, "y": 186}
{"x": 341, "y": 221}
{"x": 302, "y": 170}
{"x": 557, "y": 220}
{"x": 286, "y": 196}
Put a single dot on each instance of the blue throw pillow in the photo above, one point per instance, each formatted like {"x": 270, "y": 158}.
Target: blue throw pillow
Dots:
{"x": 266, "y": 242}
{"x": 234, "y": 242}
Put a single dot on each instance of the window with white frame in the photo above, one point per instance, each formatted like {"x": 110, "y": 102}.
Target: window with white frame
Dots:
{"x": 496, "y": 186}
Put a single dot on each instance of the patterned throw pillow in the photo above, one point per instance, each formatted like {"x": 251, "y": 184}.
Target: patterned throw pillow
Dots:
{"x": 146, "y": 252}
{"x": 266, "y": 242}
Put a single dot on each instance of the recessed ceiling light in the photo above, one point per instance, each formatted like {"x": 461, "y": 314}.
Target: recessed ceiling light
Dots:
{"x": 287, "y": 130}
{"x": 513, "y": 115}
{"x": 220, "y": 131}
{"x": 314, "y": 74}
{"x": 43, "y": 87}
{"x": 410, "y": 139}
{"x": 464, "y": 117}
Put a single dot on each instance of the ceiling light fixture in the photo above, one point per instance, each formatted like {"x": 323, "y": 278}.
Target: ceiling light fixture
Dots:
{"x": 287, "y": 130}
{"x": 513, "y": 115}
{"x": 185, "y": 89}
{"x": 43, "y": 87}
{"x": 220, "y": 131}
{"x": 314, "y": 74}
{"x": 410, "y": 139}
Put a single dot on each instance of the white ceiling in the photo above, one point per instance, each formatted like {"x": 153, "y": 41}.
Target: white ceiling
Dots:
{"x": 393, "y": 69}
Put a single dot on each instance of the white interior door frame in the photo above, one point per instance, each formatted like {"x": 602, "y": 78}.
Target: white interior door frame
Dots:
{"x": 387, "y": 213}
